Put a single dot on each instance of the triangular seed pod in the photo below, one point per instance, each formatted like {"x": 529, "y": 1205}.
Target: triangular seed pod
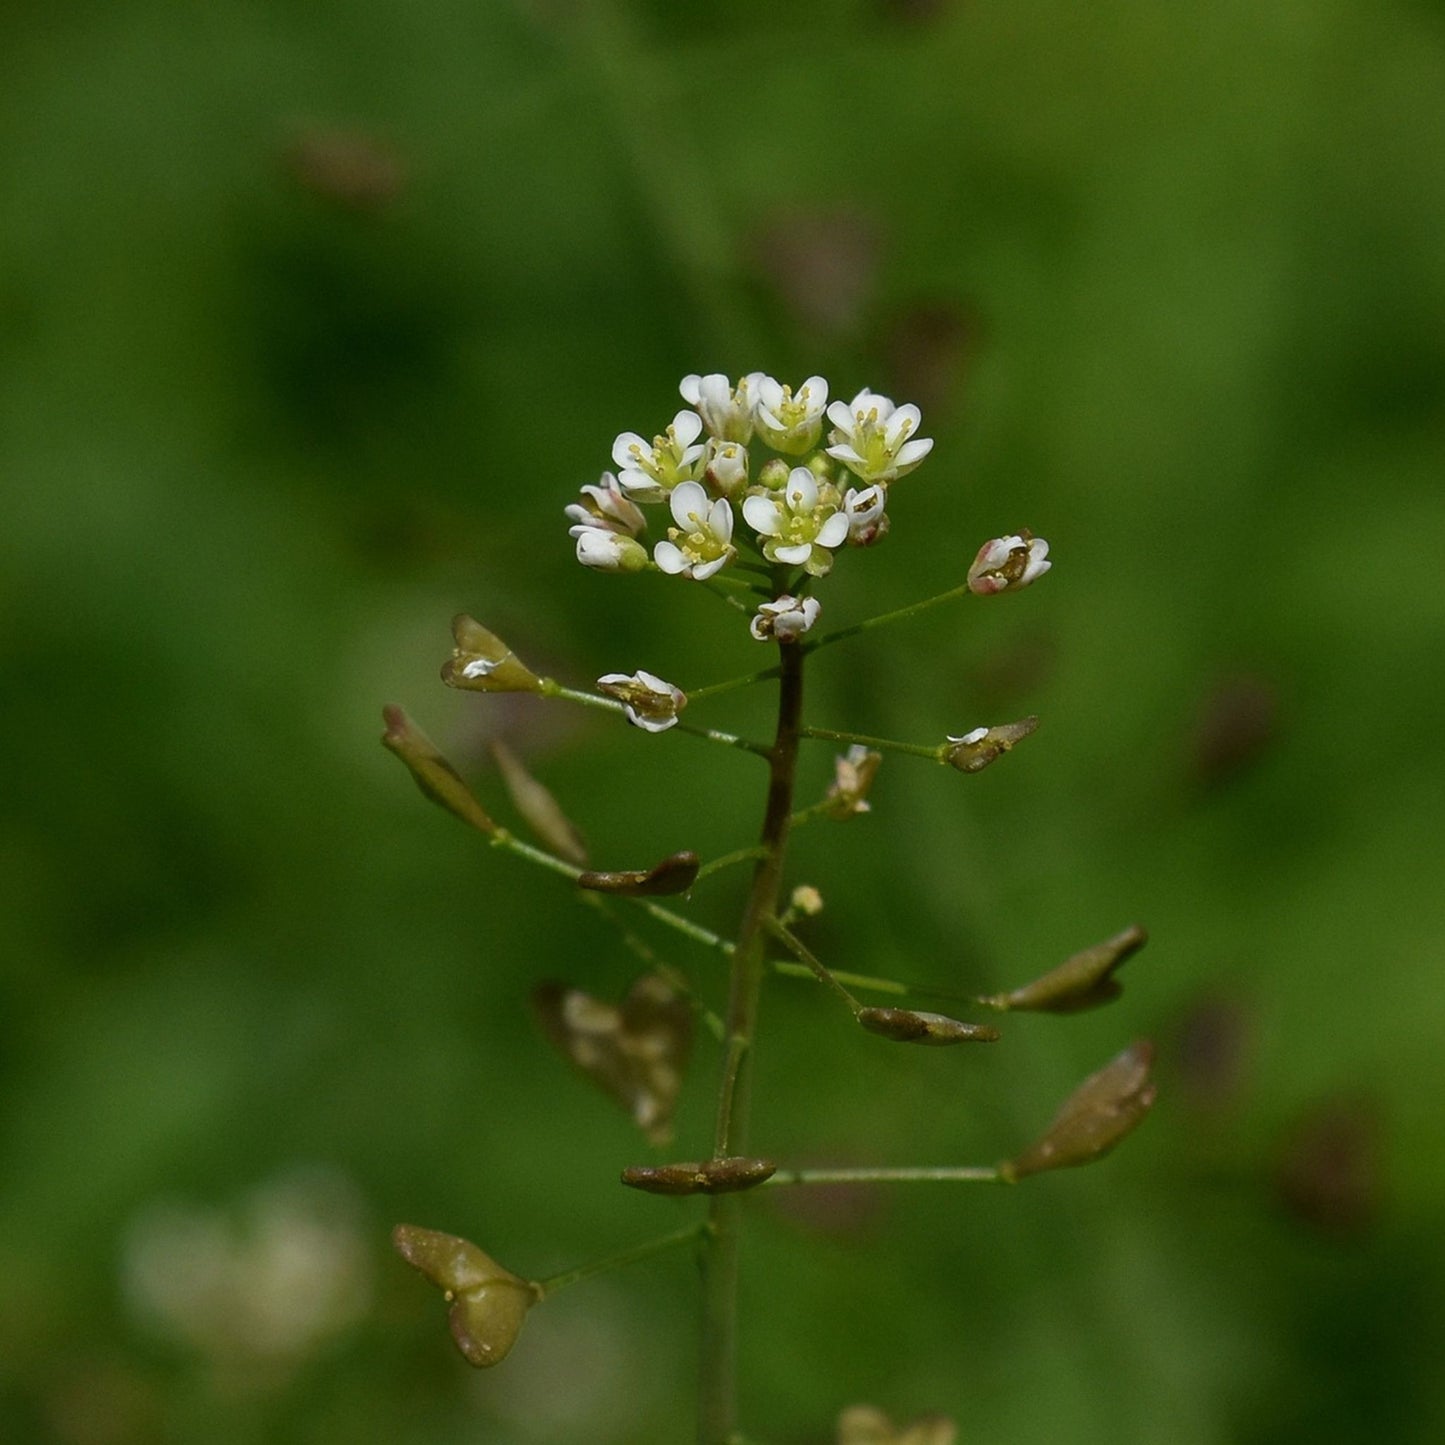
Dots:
{"x": 1095, "y": 1117}
{"x": 434, "y": 775}
{"x": 909, "y": 1026}
{"x": 1082, "y": 982}
{"x": 674, "y": 874}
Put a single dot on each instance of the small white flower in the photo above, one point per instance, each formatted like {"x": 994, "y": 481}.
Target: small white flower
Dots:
{"x": 726, "y": 410}
{"x": 648, "y": 702}
{"x": 867, "y": 521}
{"x": 786, "y": 619}
{"x": 607, "y": 506}
{"x": 609, "y": 551}
{"x": 790, "y": 421}
{"x": 726, "y": 468}
{"x": 874, "y": 439}
{"x": 650, "y": 470}
{"x": 1006, "y": 564}
{"x": 701, "y": 543}
{"x": 798, "y": 528}
{"x": 852, "y": 778}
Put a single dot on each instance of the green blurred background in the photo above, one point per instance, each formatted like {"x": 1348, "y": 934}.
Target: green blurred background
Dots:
{"x": 312, "y": 318}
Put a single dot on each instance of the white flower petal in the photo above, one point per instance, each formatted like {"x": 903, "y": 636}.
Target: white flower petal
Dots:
{"x": 794, "y": 556}
{"x": 833, "y": 532}
{"x": 902, "y": 423}
{"x": 701, "y": 571}
{"x": 687, "y": 427}
{"x": 669, "y": 558}
{"x": 802, "y": 490}
{"x": 688, "y": 500}
{"x": 911, "y": 453}
{"x": 763, "y": 515}
{"x": 720, "y": 520}
{"x": 628, "y": 447}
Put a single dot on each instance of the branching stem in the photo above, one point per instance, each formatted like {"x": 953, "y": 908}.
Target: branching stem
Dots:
{"x": 717, "y": 1400}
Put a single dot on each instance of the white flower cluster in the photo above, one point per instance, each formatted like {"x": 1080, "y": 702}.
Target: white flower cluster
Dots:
{"x": 813, "y": 495}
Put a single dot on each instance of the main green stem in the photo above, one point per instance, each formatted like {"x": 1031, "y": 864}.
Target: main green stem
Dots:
{"x": 717, "y": 1398}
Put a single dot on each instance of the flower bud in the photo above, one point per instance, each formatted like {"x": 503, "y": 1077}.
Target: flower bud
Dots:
{"x": 852, "y": 779}
{"x": 774, "y": 474}
{"x": 488, "y": 1303}
{"x": 607, "y": 551}
{"x": 711, "y": 1176}
{"x": 648, "y": 702}
{"x": 1095, "y": 1117}
{"x": 636, "y": 1053}
{"x": 540, "y": 810}
{"x": 806, "y": 900}
{"x": 1081, "y": 982}
{"x": 1007, "y": 564}
{"x": 606, "y": 506}
{"x": 674, "y": 874}
{"x": 727, "y": 467}
{"x": 975, "y": 750}
{"x": 482, "y": 662}
{"x": 909, "y": 1026}
{"x": 434, "y": 775}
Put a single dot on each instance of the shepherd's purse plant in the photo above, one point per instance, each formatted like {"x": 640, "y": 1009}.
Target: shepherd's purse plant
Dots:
{"x": 754, "y": 492}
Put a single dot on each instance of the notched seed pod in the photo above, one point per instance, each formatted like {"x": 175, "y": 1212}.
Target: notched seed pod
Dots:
{"x": 635, "y": 1053}
{"x": 1082, "y": 982}
{"x": 975, "y": 750}
{"x": 675, "y": 874}
{"x": 710, "y": 1176}
{"x": 1095, "y": 1117}
{"x": 909, "y": 1026}
{"x": 434, "y": 775}
{"x": 488, "y": 1303}
{"x": 865, "y": 1425}
{"x": 539, "y": 809}
{"x": 482, "y": 662}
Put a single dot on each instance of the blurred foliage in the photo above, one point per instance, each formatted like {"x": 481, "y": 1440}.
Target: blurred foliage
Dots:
{"x": 311, "y": 320}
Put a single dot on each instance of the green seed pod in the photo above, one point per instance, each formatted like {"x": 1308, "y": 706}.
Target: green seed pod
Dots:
{"x": 909, "y": 1026}
{"x": 1095, "y": 1117}
{"x": 434, "y": 775}
{"x": 541, "y": 811}
{"x": 974, "y": 751}
{"x": 1082, "y": 982}
{"x": 482, "y": 662}
{"x": 488, "y": 1303}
